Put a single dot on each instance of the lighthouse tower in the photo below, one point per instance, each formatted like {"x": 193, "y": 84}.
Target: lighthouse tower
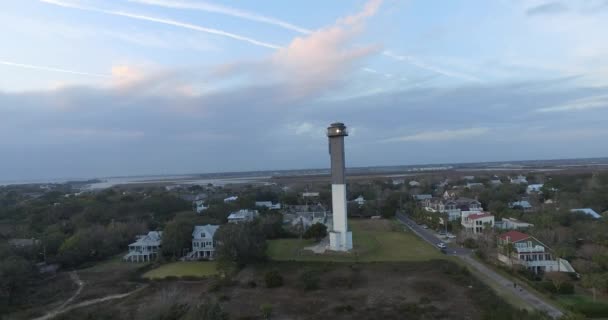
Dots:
{"x": 340, "y": 239}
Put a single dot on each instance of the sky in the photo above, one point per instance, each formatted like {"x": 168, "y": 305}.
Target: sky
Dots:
{"x": 96, "y": 88}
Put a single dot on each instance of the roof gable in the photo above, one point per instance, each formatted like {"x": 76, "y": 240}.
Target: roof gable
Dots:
{"x": 514, "y": 236}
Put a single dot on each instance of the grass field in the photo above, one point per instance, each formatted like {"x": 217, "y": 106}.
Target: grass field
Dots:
{"x": 373, "y": 240}
{"x": 181, "y": 269}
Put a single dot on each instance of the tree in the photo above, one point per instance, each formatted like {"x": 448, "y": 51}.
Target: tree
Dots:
{"x": 317, "y": 231}
{"x": 592, "y": 281}
{"x": 177, "y": 236}
{"x": 210, "y": 310}
{"x": 15, "y": 273}
{"x": 273, "y": 279}
{"x": 557, "y": 279}
{"x": 266, "y": 310}
{"x": 241, "y": 244}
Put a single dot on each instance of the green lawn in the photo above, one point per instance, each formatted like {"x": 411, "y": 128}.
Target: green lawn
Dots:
{"x": 373, "y": 240}
{"x": 184, "y": 268}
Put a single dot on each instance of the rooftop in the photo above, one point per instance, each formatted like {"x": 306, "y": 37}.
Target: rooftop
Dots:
{"x": 514, "y": 236}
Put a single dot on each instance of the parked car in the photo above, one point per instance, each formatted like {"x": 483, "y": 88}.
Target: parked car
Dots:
{"x": 441, "y": 245}
{"x": 442, "y": 233}
{"x": 450, "y": 236}
{"x": 424, "y": 226}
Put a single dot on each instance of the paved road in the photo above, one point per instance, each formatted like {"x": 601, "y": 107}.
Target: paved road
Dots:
{"x": 465, "y": 255}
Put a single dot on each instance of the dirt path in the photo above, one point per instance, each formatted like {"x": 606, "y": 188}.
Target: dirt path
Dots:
{"x": 65, "y": 307}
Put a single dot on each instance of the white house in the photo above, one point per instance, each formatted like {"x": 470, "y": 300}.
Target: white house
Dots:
{"x": 203, "y": 246}
{"x": 422, "y": 197}
{"x": 243, "y": 215}
{"x": 469, "y": 178}
{"x": 495, "y": 182}
{"x": 534, "y": 188}
{"x": 310, "y": 194}
{"x": 145, "y": 248}
{"x": 519, "y": 180}
{"x": 397, "y": 182}
{"x": 512, "y": 224}
{"x": 414, "y": 183}
{"x": 231, "y": 199}
{"x": 199, "y": 206}
{"x": 522, "y": 204}
{"x": 360, "y": 200}
{"x": 517, "y": 248}
{"x": 475, "y": 222}
{"x": 587, "y": 211}
{"x": 473, "y": 185}
{"x": 268, "y": 204}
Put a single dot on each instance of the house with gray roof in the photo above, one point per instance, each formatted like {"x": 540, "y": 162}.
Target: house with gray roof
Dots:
{"x": 203, "y": 245}
{"x": 587, "y": 211}
{"x": 145, "y": 248}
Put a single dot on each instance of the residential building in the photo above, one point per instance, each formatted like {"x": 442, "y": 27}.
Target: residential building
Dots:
{"x": 469, "y": 178}
{"x": 203, "y": 245}
{"x": 495, "y": 182}
{"x": 397, "y": 182}
{"x": 475, "y": 222}
{"x": 145, "y": 248}
{"x": 310, "y": 194}
{"x": 268, "y": 204}
{"x": 512, "y": 224}
{"x": 231, "y": 199}
{"x": 473, "y": 185}
{"x": 534, "y": 188}
{"x": 414, "y": 184}
{"x": 359, "y": 200}
{"x": 587, "y": 211}
{"x": 517, "y": 248}
{"x": 519, "y": 180}
{"x": 422, "y": 197}
{"x": 243, "y": 215}
{"x": 522, "y": 205}
{"x": 199, "y": 206}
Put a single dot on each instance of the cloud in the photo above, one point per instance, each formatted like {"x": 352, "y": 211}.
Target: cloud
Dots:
{"x": 170, "y": 22}
{"x": 579, "y": 105}
{"x": 214, "y": 8}
{"x": 52, "y": 69}
{"x": 442, "y": 135}
{"x": 553, "y": 7}
{"x": 415, "y": 62}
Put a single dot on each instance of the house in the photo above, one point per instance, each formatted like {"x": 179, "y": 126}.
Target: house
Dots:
{"x": 359, "y": 200}
{"x": 475, "y": 222}
{"x": 203, "y": 245}
{"x": 495, "y": 182}
{"x": 512, "y": 224}
{"x": 422, "y": 197}
{"x": 414, "y": 184}
{"x": 534, "y": 188}
{"x": 519, "y": 180}
{"x": 467, "y": 204}
{"x": 473, "y": 185}
{"x": 145, "y": 248}
{"x": 469, "y": 178}
{"x": 310, "y": 194}
{"x": 517, "y": 248}
{"x": 268, "y": 204}
{"x": 243, "y": 215}
{"x": 23, "y": 243}
{"x": 522, "y": 204}
{"x": 397, "y": 182}
{"x": 199, "y": 206}
{"x": 231, "y": 199}
{"x": 587, "y": 211}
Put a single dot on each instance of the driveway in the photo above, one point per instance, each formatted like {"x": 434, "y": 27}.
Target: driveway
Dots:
{"x": 465, "y": 255}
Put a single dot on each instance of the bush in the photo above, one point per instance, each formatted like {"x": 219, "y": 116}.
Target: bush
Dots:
{"x": 547, "y": 286}
{"x": 470, "y": 243}
{"x": 591, "y": 309}
{"x": 309, "y": 280}
{"x": 273, "y": 279}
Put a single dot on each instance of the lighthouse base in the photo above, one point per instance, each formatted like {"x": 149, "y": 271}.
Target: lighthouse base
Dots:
{"x": 340, "y": 241}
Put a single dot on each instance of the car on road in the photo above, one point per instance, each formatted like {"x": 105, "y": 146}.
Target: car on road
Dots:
{"x": 441, "y": 245}
{"x": 424, "y": 226}
{"x": 450, "y": 236}
{"x": 442, "y": 233}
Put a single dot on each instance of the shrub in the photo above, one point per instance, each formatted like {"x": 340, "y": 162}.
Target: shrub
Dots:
{"x": 470, "y": 243}
{"x": 273, "y": 279}
{"x": 309, "y": 280}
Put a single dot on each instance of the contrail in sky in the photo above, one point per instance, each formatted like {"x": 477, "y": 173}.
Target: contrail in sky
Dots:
{"x": 43, "y": 68}
{"x": 229, "y": 11}
{"x": 166, "y": 22}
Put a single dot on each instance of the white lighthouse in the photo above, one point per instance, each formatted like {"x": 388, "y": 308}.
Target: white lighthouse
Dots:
{"x": 340, "y": 239}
